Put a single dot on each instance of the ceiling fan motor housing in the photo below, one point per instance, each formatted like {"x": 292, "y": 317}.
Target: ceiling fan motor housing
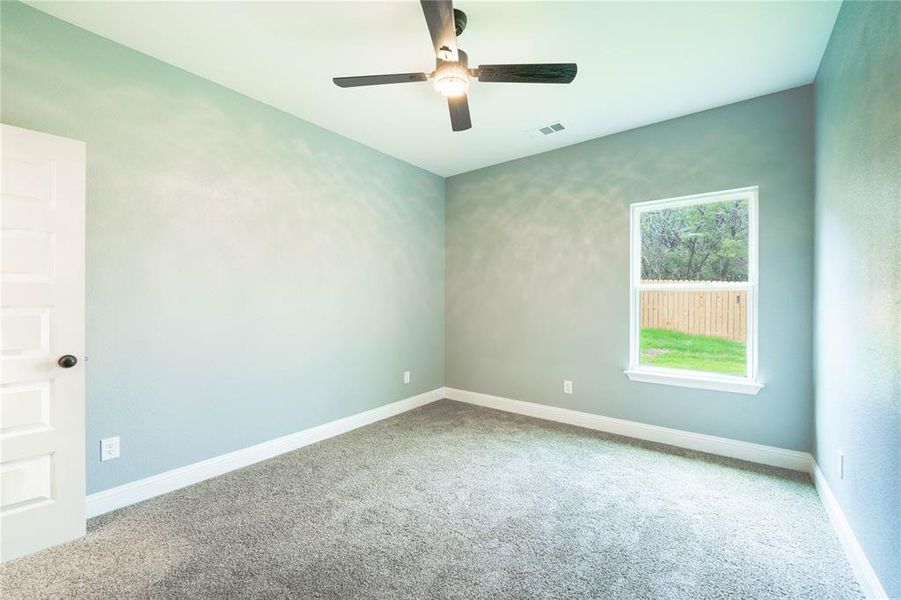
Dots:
{"x": 462, "y": 62}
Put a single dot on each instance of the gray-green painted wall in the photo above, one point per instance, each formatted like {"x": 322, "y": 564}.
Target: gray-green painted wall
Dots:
{"x": 538, "y": 268}
{"x": 858, "y": 294}
{"x": 249, "y": 274}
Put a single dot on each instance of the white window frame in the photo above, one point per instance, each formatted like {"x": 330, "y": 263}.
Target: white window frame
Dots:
{"x": 684, "y": 377}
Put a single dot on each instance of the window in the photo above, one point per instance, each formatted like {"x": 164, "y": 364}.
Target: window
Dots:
{"x": 694, "y": 288}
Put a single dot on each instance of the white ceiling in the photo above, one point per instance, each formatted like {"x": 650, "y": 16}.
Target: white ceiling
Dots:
{"x": 639, "y": 63}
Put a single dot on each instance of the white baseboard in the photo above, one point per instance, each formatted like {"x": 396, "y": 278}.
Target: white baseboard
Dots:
{"x": 757, "y": 453}
{"x": 136, "y": 491}
{"x": 869, "y": 582}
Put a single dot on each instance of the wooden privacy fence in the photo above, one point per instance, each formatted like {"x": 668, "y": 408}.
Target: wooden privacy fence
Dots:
{"x": 722, "y": 314}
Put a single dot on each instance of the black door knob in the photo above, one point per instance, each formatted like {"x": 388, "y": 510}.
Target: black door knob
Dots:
{"x": 67, "y": 362}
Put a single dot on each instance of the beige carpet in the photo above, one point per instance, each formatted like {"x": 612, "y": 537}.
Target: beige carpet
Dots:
{"x": 455, "y": 501}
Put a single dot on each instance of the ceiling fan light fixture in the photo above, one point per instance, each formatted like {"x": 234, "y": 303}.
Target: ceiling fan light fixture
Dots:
{"x": 451, "y": 81}
{"x": 452, "y": 72}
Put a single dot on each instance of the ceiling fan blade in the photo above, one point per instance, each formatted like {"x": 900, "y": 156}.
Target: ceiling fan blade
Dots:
{"x": 378, "y": 79}
{"x": 537, "y": 73}
{"x": 439, "y": 16}
{"x": 459, "y": 112}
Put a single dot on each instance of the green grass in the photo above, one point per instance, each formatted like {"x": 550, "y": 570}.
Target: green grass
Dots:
{"x": 676, "y": 350}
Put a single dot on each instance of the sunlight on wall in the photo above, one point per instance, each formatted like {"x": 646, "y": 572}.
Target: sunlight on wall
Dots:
{"x": 538, "y": 268}
{"x": 248, "y": 274}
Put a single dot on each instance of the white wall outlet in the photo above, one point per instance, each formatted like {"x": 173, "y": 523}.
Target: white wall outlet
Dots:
{"x": 841, "y": 464}
{"x": 109, "y": 448}
{"x": 567, "y": 386}
{"x": 406, "y": 377}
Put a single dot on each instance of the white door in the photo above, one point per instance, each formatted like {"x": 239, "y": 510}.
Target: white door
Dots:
{"x": 42, "y": 452}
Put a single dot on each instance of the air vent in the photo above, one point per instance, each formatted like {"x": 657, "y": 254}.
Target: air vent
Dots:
{"x": 551, "y": 129}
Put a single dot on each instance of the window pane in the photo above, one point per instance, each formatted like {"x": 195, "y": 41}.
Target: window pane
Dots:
{"x": 703, "y": 242}
{"x": 695, "y": 330}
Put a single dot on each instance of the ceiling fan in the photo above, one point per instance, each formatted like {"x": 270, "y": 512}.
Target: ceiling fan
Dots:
{"x": 452, "y": 72}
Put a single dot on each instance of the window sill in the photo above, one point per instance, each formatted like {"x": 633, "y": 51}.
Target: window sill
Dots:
{"x": 721, "y": 384}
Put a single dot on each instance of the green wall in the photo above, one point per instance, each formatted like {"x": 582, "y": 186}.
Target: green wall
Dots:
{"x": 249, "y": 274}
{"x": 538, "y": 268}
{"x": 858, "y": 295}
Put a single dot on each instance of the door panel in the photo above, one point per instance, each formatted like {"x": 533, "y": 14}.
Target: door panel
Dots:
{"x": 42, "y": 469}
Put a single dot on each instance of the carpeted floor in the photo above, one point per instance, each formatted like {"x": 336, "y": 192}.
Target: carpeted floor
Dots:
{"x": 456, "y": 501}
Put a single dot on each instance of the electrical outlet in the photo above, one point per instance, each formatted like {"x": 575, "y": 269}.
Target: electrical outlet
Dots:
{"x": 841, "y": 464}
{"x": 567, "y": 386}
{"x": 109, "y": 448}
{"x": 406, "y": 377}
